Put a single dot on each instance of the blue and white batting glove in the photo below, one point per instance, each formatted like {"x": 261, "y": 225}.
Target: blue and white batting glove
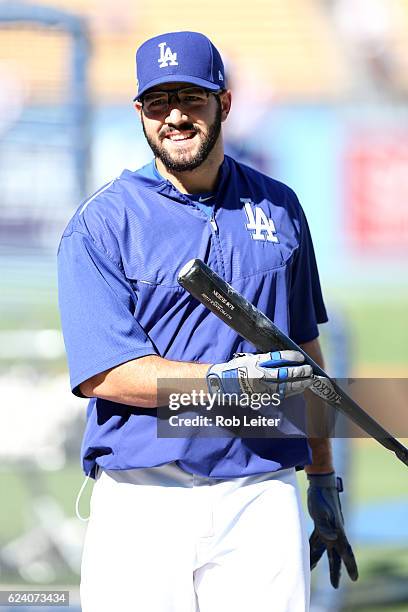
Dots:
{"x": 282, "y": 372}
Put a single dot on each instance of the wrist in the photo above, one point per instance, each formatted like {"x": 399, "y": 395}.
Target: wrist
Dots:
{"x": 213, "y": 380}
{"x": 317, "y": 470}
{"x": 322, "y": 459}
{"x": 326, "y": 481}
{"x": 219, "y": 384}
{"x": 322, "y": 480}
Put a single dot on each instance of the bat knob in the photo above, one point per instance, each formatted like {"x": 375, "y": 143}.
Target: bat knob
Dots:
{"x": 190, "y": 265}
{"x": 403, "y": 456}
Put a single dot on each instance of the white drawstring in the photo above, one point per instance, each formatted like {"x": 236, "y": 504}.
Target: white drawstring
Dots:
{"x": 81, "y": 490}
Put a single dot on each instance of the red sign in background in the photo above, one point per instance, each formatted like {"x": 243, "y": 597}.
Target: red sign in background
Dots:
{"x": 376, "y": 192}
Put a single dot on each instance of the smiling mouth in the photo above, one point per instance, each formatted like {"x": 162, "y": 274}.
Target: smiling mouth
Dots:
{"x": 180, "y": 137}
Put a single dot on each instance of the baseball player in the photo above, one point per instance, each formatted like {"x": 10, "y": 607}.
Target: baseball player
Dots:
{"x": 193, "y": 524}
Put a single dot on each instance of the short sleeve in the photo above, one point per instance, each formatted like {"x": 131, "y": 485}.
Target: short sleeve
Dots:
{"x": 96, "y": 307}
{"x": 306, "y": 305}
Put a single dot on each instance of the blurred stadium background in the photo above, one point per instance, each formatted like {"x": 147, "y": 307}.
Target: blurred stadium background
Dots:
{"x": 320, "y": 102}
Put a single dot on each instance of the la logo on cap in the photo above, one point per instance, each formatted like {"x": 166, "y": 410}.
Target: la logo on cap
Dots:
{"x": 167, "y": 57}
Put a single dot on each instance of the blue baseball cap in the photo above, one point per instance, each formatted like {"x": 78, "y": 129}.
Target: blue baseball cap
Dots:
{"x": 187, "y": 57}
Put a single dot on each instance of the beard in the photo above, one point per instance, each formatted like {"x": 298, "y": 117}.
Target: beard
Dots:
{"x": 185, "y": 162}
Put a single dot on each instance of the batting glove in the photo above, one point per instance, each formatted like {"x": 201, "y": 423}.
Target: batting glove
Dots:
{"x": 276, "y": 372}
{"x": 323, "y": 502}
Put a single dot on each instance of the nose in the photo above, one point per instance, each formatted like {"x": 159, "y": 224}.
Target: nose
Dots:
{"x": 175, "y": 116}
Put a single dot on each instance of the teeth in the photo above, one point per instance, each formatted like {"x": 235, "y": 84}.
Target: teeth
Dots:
{"x": 180, "y": 137}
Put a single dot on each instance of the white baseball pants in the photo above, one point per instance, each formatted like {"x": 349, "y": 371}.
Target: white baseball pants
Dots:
{"x": 163, "y": 540}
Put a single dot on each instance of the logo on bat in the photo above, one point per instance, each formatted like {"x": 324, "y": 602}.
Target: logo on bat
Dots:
{"x": 322, "y": 387}
{"x": 261, "y": 227}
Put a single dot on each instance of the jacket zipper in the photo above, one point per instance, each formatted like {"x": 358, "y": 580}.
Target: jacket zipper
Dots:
{"x": 217, "y": 246}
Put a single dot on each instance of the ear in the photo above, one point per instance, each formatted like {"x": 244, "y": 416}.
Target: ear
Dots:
{"x": 225, "y": 98}
{"x": 138, "y": 108}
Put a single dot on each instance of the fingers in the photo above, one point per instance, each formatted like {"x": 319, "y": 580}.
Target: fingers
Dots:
{"x": 349, "y": 560}
{"x": 274, "y": 370}
{"x": 289, "y": 380}
{"x": 337, "y": 552}
{"x": 288, "y": 374}
{"x": 294, "y": 388}
{"x": 276, "y": 359}
{"x": 341, "y": 551}
{"x": 317, "y": 548}
{"x": 334, "y": 566}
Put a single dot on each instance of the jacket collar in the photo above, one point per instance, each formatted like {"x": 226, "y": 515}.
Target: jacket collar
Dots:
{"x": 151, "y": 178}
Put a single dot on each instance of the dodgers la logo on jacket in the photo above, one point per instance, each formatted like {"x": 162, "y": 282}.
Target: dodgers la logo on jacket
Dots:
{"x": 261, "y": 227}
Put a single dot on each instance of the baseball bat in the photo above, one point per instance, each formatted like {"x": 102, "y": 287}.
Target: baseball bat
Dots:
{"x": 250, "y": 323}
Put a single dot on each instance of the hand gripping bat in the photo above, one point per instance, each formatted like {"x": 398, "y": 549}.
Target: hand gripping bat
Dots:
{"x": 250, "y": 323}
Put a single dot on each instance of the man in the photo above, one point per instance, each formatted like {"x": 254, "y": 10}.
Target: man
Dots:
{"x": 193, "y": 523}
